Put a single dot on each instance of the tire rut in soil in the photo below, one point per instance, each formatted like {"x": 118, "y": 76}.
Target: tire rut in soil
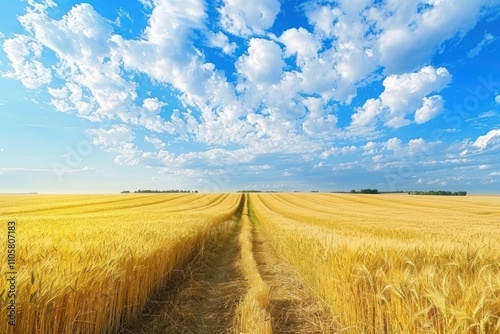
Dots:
{"x": 292, "y": 307}
{"x": 201, "y": 297}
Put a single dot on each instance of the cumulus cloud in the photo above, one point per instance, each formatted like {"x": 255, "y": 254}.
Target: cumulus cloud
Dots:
{"x": 395, "y": 148}
{"x": 321, "y": 120}
{"x": 412, "y": 36}
{"x": 367, "y": 114}
{"x": 301, "y": 43}
{"x": 400, "y": 36}
{"x": 497, "y": 99}
{"x": 94, "y": 86}
{"x": 221, "y": 41}
{"x": 492, "y": 137}
{"x": 417, "y": 145}
{"x": 431, "y": 107}
{"x": 336, "y": 71}
{"x": 244, "y": 18}
{"x": 285, "y": 90}
{"x": 94, "y": 63}
{"x": 165, "y": 53}
{"x": 402, "y": 95}
{"x": 393, "y": 144}
{"x": 128, "y": 154}
{"x": 117, "y": 135}
{"x": 370, "y": 147}
{"x": 152, "y": 104}
{"x": 23, "y": 52}
{"x": 264, "y": 62}
{"x": 317, "y": 127}
{"x": 118, "y": 139}
{"x": 338, "y": 151}
{"x": 345, "y": 166}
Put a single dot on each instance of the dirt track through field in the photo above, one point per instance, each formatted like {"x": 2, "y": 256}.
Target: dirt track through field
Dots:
{"x": 292, "y": 308}
{"x": 200, "y": 298}
{"x": 203, "y": 296}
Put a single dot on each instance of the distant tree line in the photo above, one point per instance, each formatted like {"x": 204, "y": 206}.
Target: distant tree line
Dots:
{"x": 249, "y": 191}
{"x": 439, "y": 192}
{"x": 160, "y": 191}
{"x": 353, "y": 191}
{"x": 392, "y": 192}
{"x": 365, "y": 191}
{"x": 259, "y": 191}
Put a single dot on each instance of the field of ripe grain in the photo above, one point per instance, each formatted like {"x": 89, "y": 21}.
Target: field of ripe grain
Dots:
{"x": 88, "y": 263}
{"x": 392, "y": 263}
{"x": 254, "y": 263}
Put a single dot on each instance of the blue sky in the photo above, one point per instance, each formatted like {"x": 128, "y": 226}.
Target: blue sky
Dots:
{"x": 103, "y": 96}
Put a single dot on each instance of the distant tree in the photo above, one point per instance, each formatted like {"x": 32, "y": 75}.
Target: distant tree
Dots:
{"x": 126, "y": 192}
{"x": 439, "y": 193}
{"x": 353, "y": 191}
{"x": 369, "y": 191}
{"x": 164, "y": 191}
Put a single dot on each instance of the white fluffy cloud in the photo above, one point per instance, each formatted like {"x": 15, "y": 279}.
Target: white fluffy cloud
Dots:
{"x": 338, "y": 151}
{"x": 370, "y": 147}
{"x": 264, "y": 62}
{"x": 285, "y": 91}
{"x": 492, "y": 137}
{"x": 411, "y": 36}
{"x": 367, "y": 114}
{"x": 221, "y": 41}
{"x": 118, "y": 139}
{"x": 301, "y": 43}
{"x": 244, "y": 18}
{"x": 393, "y": 144}
{"x": 23, "y": 52}
{"x": 395, "y": 148}
{"x": 117, "y": 135}
{"x": 94, "y": 88}
{"x": 320, "y": 121}
{"x": 336, "y": 71}
{"x": 405, "y": 94}
{"x": 431, "y": 107}
{"x": 417, "y": 145}
{"x": 497, "y": 99}
{"x": 165, "y": 53}
{"x": 94, "y": 63}
{"x": 152, "y": 104}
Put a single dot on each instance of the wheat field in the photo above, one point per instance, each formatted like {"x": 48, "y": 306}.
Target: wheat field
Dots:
{"x": 393, "y": 264}
{"x": 88, "y": 263}
{"x": 255, "y": 263}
